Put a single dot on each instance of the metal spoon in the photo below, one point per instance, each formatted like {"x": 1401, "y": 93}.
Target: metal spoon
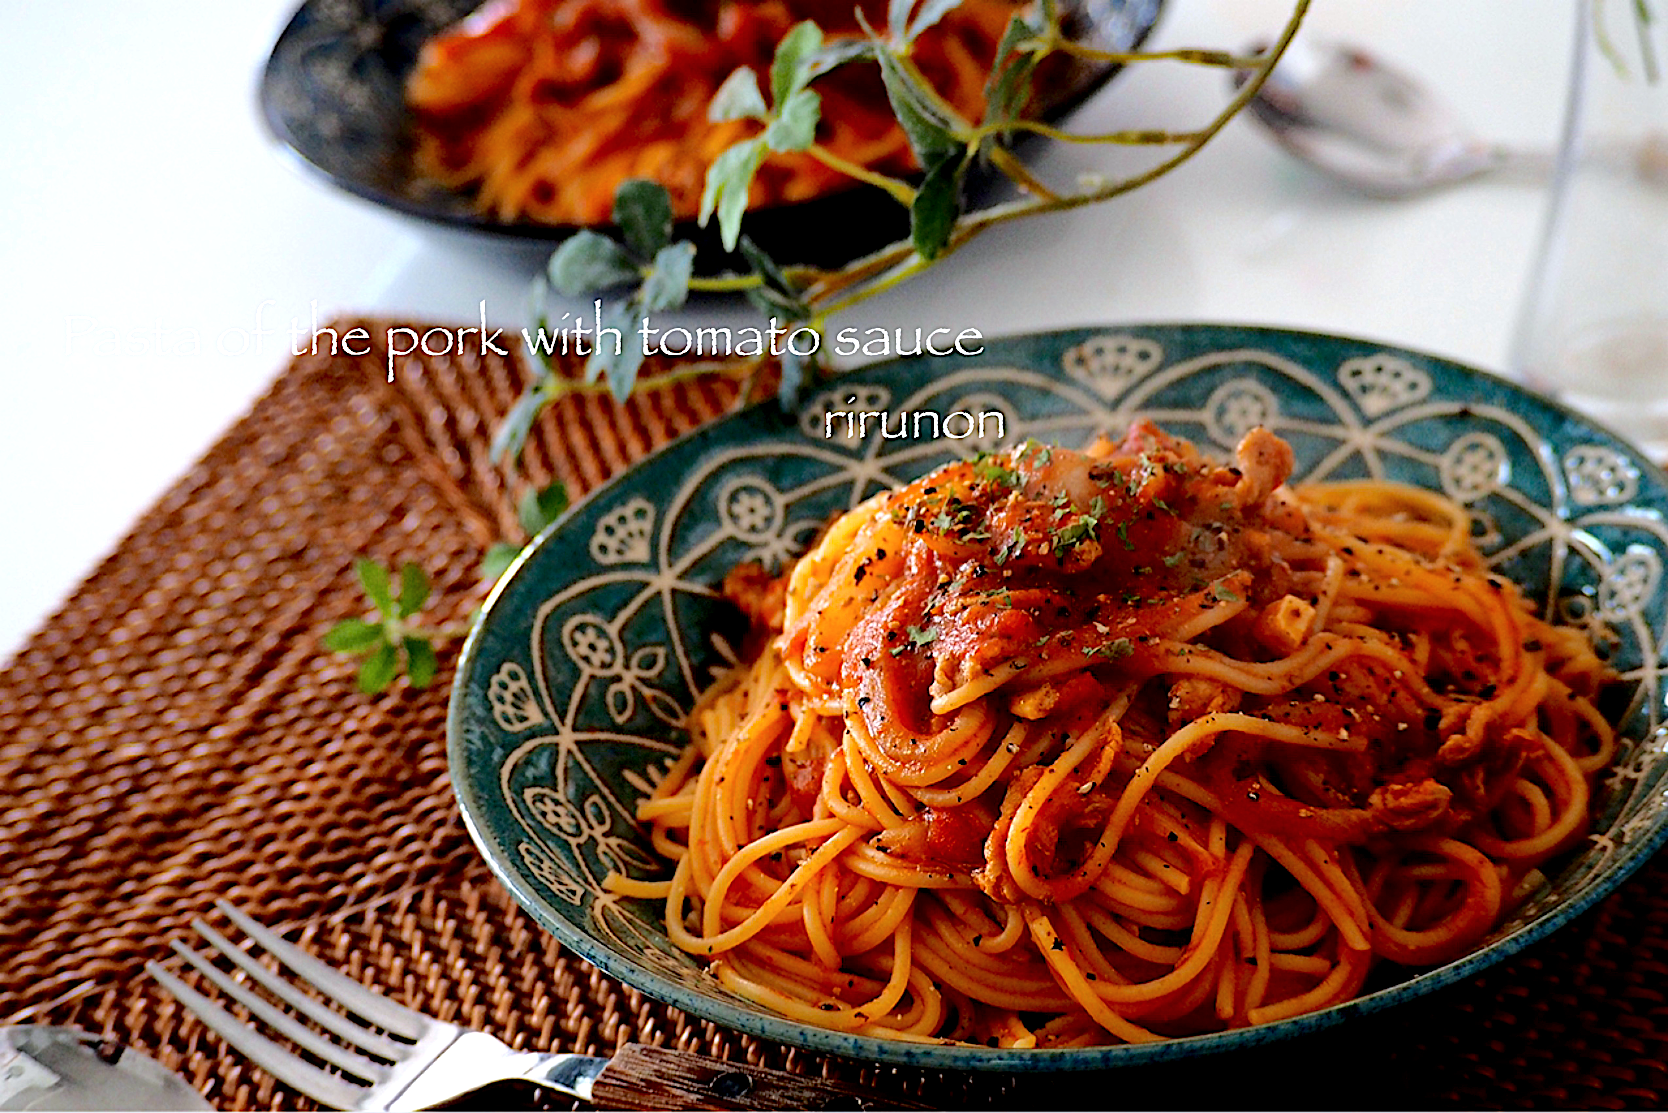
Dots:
{"x": 1371, "y": 126}
{"x": 63, "y": 1069}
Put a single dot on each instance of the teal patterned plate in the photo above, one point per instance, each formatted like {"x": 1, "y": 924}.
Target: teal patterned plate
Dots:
{"x": 570, "y": 697}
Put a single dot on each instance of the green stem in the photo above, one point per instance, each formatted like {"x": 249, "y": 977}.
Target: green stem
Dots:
{"x": 557, "y": 387}
{"x": 978, "y": 222}
{"x": 1147, "y": 137}
{"x": 1018, "y": 173}
{"x": 442, "y": 633}
{"x": 1220, "y": 59}
{"x": 727, "y": 284}
{"x": 900, "y": 191}
{"x": 876, "y": 278}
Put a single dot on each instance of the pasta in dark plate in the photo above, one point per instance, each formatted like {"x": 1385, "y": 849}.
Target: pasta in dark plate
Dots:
{"x": 1058, "y": 748}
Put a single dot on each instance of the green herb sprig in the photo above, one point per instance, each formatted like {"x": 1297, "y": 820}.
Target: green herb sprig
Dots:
{"x": 646, "y": 271}
{"x": 390, "y": 640}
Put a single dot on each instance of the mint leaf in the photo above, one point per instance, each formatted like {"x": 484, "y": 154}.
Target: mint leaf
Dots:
{"x": 765, "y": 267}
{"x": 379, "y": 669}
{"x": 353, "y": 635}
{"x": 667, "y": 286}
{"x": 588, "y": 262}
{"x": 414, "y": 589}
{"x": 797, "y": 373}
{"x": 897, "y": 18}
{"x": 795, "y": 125}
{"x": 777, "y": 297}
{"x": 420, "y": 662}
{"x": 738, "y": 98}
{"x": 728, "y": 179}
{"x": 925, "y": 127}
{"x": 373, "y": 577}
{"x": 1009, "y": 85}
{"x": 541, "y": 507}
{"x": 932, "y": 216}
{"x": 512, "y": 432}
{"x": 931, "y": 12}
{"x": 618, "y": 367}
{"x": 790, "y": 70}
{"x": 836, "y": 54}
{"x": 499, "y": 556}
{"x": 643, "y": 210}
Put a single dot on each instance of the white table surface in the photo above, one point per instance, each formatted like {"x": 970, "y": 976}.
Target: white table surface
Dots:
{"x": 149, "y": 230}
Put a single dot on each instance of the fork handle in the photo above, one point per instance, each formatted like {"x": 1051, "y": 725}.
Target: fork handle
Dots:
{"x": 644, "y": 1077}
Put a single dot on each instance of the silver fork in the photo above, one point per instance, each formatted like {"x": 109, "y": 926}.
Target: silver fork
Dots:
{"x": 400, "y": 1059}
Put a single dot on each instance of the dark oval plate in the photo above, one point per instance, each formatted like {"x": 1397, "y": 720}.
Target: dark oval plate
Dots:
{"x": 570, "y": 696}
{"x": 333, "y": 94}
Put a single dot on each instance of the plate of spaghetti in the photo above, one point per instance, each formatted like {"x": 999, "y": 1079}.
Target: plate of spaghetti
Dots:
{"x": 1114, "y": 695}
{"x": 522, "y": 117}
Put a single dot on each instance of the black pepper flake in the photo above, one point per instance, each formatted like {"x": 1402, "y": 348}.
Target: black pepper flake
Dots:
{"x": 1058, "y": 944}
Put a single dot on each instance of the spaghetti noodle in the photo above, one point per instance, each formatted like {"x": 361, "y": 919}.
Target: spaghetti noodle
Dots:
{"x": 1054, "y": 748}
{"x": 544, "y": 107}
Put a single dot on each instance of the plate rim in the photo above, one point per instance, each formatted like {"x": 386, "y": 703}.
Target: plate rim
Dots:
{"x": 972, "y": 1057}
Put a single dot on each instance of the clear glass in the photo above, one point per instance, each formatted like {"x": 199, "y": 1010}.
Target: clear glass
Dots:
{"x": 1594, "y": 326}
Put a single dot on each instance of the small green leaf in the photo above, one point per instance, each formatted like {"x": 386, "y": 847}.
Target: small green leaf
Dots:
{"x": 538, "y": 311}
{"x": 420, "y": 662}
{"x": 795, "y": 125}
{"x": 373, "y": 577}
{"x": 512, "y": 433}
{"x": 738, "y": 98}
{"x": 777, "y": 297}
{"x": 414, "y": 589}
{"x": 588, "y": 262}
{"x": 499, "y": 556}
{"x": 619, "y": 367}
{"x": 937, "y": 205}
{"x": 897, "y": 18}
{"x": 836, "y": 54}
{"x": 643, "y": 210}
{"x": 540, "y": 507}
{"x": 931, "y": 12}
{"x": 728, "y": 179}
{"x": 765, "y": 267}
{"x": 797, "y": 374}
{"x": 379, "y": 669}
{"x": 928, "y": 132}
{"x": 790, "y": 69}
{"x": 1009, "y": 84}
{"x": 771, "y": 303}
{"x": 353, "y": 635}
{"x": 667, "y": 286}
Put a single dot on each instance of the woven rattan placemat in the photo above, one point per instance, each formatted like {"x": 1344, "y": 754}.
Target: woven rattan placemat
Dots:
{"x": 175, "y": 734}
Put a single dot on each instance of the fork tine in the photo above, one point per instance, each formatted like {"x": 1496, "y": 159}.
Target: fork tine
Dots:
{"x": 331, "y": 1090}
{"x": 326, "y": 1017}
{"x": 373, "y": 1006}
{"x": 281, "y": 1022}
